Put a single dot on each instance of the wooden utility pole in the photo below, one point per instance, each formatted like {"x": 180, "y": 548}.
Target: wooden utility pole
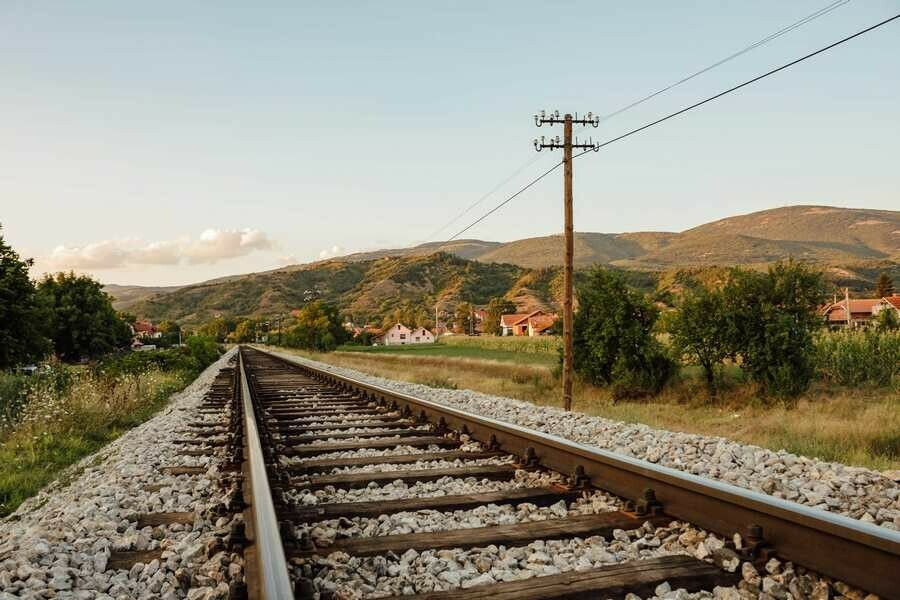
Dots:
{"x": 568, "y": 229}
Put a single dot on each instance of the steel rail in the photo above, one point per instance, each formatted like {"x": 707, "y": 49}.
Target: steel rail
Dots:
{"x": 861, "y": 554}
{"x": 273, "y": 576}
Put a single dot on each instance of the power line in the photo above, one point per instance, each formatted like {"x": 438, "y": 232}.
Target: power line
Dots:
{"x": 741, "y": 85}
{"x": 761, "y": 42}
{"x": 676, "y": 113}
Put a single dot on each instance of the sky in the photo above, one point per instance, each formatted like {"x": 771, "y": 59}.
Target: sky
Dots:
{"x": 166, "y": 143}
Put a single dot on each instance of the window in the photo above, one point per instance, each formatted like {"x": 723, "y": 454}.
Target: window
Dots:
{"x": 402, "y": 336}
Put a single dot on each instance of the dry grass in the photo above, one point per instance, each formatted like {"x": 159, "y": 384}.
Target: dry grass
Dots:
{"x": 856, "y": 426}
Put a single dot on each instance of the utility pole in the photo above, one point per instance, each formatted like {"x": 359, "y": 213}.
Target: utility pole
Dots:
{"x": 566, "y": 145}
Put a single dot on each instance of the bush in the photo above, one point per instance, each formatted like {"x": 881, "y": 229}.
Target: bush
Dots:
{"x": 855, "y": 358}
{"x": 614, "y": 341}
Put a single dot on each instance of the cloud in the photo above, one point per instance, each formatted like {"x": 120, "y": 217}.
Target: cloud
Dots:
{"x": 331, "y": 252}
{"x": 212, "y": 246}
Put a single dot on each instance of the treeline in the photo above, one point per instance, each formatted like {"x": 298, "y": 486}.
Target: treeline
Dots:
{"x": 765, "y": 323}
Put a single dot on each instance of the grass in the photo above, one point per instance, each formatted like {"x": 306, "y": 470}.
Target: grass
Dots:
{"x": 856, "y": 426}
{"x": 57, "y": 424}
{"x": 447, "y": 349}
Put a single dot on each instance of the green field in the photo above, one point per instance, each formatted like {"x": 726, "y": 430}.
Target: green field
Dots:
{"x": 459, "y": 349}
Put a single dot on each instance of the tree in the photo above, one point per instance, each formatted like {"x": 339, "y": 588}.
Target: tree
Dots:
{"x": 218, "y": 328}
{"x": 885, "y": 286}
{"x": 171, "y": 333}
{"x": 83, "y": 323}
{"x": 770, "y": 319}
{"x": 613, "y": 337}
{"x": 496, "y": 308}
{"x": 243, "y": 332}
{"x": 22, "y": 317}
{"x": 699, "y": 330}
{"x": 318, "y": 328}
{"x": 887, "y": 319}
{"x": 462, "y": 322}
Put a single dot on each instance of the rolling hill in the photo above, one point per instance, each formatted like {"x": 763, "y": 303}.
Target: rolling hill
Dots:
{"x": 852, "y": 246}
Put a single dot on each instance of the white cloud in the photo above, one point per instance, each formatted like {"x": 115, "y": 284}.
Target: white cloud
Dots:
{"x": 331, "y": 252}
{"x": 212, "y": 246}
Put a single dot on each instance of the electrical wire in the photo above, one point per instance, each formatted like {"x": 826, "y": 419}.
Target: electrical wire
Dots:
{"x": 680, "y": 112}
{"x": 761, "y": 42}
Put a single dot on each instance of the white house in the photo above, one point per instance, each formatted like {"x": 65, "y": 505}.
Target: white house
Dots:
{"x": 421, "y": 336}
{"x": 398, "y": 334}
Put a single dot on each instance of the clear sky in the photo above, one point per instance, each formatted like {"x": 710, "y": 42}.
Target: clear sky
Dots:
{"x": 170, "y": 142}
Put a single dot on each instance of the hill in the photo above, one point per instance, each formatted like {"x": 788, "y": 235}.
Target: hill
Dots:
{"x": 852, "y": 246}
{"x": 365, "y": 289}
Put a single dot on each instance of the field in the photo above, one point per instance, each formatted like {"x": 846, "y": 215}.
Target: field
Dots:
{"x": 857, "y": 425}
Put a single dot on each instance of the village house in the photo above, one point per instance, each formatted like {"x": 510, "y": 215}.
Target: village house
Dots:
{"x": 531, "y": 324}
{"x": 146, "y": 330}
{"x": 421, "y": 335}
{"x": 862, "y": 310}
{"x": 400, "y": 334}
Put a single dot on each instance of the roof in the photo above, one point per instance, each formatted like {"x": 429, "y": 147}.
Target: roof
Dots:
{"x": 525, "y": 317}
{"x": 540, "y": 323}
{"x": 893, "y": 301}
{"x": 418, "y": 329}
{"x": 144, "y": 326}
{"x": 510, "y": 320}
{"x": 860, "y": 307}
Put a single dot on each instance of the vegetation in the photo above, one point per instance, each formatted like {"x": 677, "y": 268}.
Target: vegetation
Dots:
{"x": 318, "y": 328}
{"x": 462, "y": 318}
{"x": 884, "y": 286}
{"x": 22, "y": 318}
{"x": 771, "y": 318}
{"x": 699, "y": 330}
{"x": 54, "y": 418}
{"x": 613, "y": 338}
{"x": 496, "y": 308}
{"x": 855, "y": 358}
{"x": 82, "y": 322}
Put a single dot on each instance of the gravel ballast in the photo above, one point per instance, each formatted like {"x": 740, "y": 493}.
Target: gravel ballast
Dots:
{"x": 852, "y": 491}
{"x": 58, "y": 543}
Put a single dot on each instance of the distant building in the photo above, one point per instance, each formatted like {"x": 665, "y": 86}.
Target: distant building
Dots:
{"x": 398, "y": 334}
{"x": 421, "y": 335}
{"x": 146, "y": 330}
{"x": 401, "y": 335}
{"x": 531, "y": 324}
{"x": 862, "y": 310}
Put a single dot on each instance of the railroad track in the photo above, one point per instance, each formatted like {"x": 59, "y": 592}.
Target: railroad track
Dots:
{"x": 381, "y": 470}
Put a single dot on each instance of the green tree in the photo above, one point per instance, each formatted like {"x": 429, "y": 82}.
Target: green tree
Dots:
{"x": 22, "y": 318}
{"x": 318, "y": 328}
{"x": 82, "y": 319}
{"x": 613, "y": 337}
{"x": 770, "y": 321}
{"x": 887, "y": 319}
{"x": 885, "y": 286}
{"x": 496, "y": 308}
{"x": 462, "y": 322}
{"x": 699, "y": 329}
{"x": 218, "y": 328}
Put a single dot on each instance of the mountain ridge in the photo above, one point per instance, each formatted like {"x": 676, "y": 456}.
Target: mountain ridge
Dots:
{"x": 851, "y": 245}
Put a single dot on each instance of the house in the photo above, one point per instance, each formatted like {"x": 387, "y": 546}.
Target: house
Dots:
{"x": 530, "y": 324}
{"x": 862, "y": 310}
{"x": 420, "y": 335}
{"x": 146, "y": 330}
{"x": 398, "y": 334}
